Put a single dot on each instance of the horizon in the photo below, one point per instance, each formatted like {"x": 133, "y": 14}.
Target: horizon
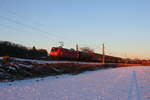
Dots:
{"x": 122, "y": 25}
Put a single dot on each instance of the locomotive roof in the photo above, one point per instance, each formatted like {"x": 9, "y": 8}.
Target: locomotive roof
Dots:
{"x": 63, "y": 48}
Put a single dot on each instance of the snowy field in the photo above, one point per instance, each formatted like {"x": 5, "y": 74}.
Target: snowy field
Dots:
{"x": 128, "y": 83}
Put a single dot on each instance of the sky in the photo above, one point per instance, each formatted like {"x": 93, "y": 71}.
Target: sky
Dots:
{"x": 123, "y": 25}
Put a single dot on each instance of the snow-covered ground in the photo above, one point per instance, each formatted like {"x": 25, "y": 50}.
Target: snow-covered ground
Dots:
{"x": 129, "y": 83}
{"x": 50, "y": 62}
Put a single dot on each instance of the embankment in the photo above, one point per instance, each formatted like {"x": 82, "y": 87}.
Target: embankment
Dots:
{"x": 17, "y": 69}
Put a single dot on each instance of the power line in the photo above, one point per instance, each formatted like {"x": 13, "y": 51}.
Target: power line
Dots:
{"x": 31, "y": 27}
{"x": 47, "y": 34}
{"x": 58, "y": 36}
{"x": 16, "y": 22}
{"x": 25, "y": 25}
{"x": 16, "y": 29}
{"x": 35, "y": 28}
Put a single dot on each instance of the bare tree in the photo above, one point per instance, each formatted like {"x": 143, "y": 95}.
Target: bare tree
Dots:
{"x": 87, "y": 49}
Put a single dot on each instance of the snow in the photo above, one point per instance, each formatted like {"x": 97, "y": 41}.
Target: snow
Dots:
{"x": 53, "y": 62}
{"x": 26, "y": 66}
{"x": 128, "y": 83}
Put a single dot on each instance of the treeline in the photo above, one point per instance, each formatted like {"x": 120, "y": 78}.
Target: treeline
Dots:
{"x": 17, "y": 50}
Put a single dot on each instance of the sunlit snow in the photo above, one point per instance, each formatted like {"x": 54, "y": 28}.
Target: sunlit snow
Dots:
{"x": 129, "y": 83}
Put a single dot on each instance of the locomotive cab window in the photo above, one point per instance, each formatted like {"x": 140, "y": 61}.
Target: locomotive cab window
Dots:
{"x": 54, "y": 49}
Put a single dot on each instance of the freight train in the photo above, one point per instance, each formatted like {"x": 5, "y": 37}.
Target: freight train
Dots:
{"x": 59, "y": 53}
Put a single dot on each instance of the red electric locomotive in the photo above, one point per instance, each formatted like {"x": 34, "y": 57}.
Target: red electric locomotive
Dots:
{"x": 60, "y": 53}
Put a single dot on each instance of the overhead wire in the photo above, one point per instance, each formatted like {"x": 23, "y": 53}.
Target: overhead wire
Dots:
{"x": 19, "y": 30}
{"x": 35, "y": 28}
{"x": 25, "y": 25}
{"x": 45, "y": 33}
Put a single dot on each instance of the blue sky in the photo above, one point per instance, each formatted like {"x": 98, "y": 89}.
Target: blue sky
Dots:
{"x": 123, "y": 25}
